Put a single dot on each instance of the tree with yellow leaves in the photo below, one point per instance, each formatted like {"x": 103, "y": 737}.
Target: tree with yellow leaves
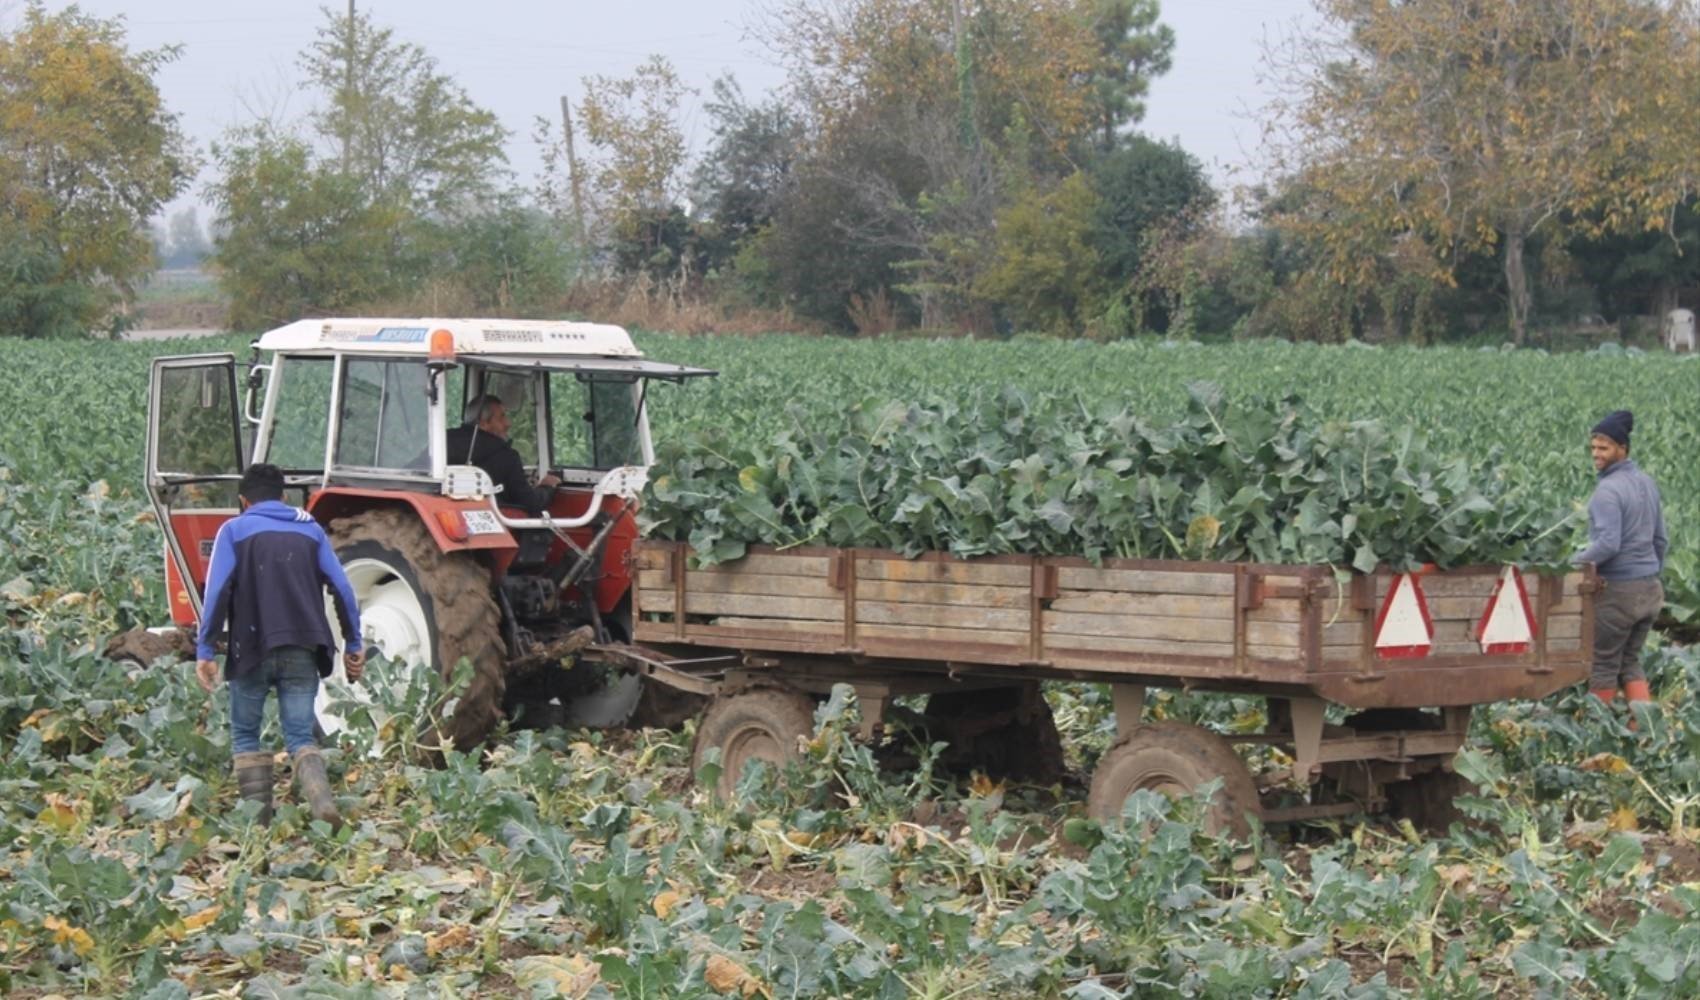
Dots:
{"x": 1477, "y": 126}
{"x": 88, "y": 153}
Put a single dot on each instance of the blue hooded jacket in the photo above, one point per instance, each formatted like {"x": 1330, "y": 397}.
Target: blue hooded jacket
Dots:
{"x": 270, "y": 567}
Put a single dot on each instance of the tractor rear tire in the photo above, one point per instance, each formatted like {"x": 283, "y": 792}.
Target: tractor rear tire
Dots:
{"x": 394, "y": 556}
{"x": 765, "y": 724}
{"x": 1175, "y": 758}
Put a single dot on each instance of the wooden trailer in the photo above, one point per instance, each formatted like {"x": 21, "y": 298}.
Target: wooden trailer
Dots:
{"x": 766, "y": 635}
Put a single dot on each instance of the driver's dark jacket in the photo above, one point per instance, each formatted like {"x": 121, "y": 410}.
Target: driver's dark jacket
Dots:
{"x": 467, "y": 445}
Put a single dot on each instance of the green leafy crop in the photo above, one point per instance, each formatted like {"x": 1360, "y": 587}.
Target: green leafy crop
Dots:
{"x": 1067, "y": 475}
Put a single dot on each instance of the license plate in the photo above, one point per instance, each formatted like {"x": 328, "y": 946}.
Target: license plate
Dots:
{"x": 481, "y": 522}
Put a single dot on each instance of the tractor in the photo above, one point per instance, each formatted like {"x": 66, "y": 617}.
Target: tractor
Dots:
{"x": 357, "y": 413}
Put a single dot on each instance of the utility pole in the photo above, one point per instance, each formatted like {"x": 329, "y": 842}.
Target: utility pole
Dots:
{"x": 572, "y": 165}
{"x": 348, "y": 89}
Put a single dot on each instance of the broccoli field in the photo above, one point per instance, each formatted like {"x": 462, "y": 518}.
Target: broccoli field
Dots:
{"x": 577, "y": 863}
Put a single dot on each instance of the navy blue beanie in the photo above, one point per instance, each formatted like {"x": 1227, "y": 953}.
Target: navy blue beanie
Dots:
{"x": 1616, "y": 426}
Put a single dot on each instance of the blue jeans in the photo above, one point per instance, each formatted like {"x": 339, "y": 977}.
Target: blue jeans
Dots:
{"x": 294, "y": 671}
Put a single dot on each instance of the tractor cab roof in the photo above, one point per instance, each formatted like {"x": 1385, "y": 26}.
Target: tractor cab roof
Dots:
{"x": 534, "y": 340}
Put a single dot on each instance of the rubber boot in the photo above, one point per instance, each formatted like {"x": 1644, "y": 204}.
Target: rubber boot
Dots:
{"x": 1634, "y": 691}
{"x": 254, "y": 781}
{"x": 314, "y": 786}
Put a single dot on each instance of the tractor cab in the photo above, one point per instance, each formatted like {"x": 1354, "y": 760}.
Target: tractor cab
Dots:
{"x": 359, "y": 414}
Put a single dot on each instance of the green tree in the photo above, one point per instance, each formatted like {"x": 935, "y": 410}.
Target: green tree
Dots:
{"x": 1140, "y": 186}
{"x": 510, "y": 258}
{"x": 182, "y": 242}
{"x": 1473, "y": 125}
{"x": 1642, "y": 272}
{"x": 367, "y": 201}
{"x": 924, "y": 119}
{"x": 739, "y": 183}
{"x": 407, "y": 130}
{"x": 1133, "y": 48}
{"x": 632, "y": 125}
{"x": 299, "y": 237}
{"x": 1045, "y": 273}
{"x": 88, "y": 153}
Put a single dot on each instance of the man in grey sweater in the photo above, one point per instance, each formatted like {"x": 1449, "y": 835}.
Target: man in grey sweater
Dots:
{"x": 1626, "y": 544}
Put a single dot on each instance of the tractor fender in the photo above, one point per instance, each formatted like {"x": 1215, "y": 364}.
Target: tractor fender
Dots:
{"x": 438, "y": 513}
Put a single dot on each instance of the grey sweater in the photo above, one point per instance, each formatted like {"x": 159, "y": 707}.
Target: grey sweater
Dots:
{"x": 1626, "y": 528}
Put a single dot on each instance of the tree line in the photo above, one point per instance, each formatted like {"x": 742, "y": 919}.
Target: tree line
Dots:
{"x": 1433, "y": 169}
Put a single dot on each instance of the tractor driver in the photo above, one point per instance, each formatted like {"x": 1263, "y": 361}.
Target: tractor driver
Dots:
{"x": 482, "y": 440}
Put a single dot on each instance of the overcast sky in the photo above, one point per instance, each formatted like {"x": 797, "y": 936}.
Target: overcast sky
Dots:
{"x": 517, "y": 57}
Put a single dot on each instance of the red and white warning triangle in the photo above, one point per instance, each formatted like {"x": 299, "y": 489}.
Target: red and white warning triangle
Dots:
{"x": 1508, "y": 623}
{"x": 1404, "y": 629}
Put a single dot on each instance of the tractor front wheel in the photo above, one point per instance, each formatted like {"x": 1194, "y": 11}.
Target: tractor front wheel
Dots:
{"x": 426, "y": 609}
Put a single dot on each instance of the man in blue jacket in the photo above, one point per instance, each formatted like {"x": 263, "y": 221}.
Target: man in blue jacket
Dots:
{"x": 1626, "y": 544}
{"x": 270, "y": 567}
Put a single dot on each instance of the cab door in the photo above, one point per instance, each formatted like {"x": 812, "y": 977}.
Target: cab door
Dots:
{"x": 195, "y": 457}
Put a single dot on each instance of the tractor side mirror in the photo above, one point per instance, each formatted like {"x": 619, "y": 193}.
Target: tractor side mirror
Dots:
{"x": 258, "y": 376}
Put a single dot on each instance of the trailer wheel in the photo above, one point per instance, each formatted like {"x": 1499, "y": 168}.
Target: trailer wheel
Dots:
{"x": 1428, "y": 800}
{"x": 1023, "y": 751}
{"x": 1175, "y": 758}
{"x": 764, "y": 724}
{"x": 427, "y": 609}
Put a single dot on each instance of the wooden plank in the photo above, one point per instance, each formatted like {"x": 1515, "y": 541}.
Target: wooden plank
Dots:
{"x": 939, "y": 571}
{"x": 1455, "y": 632}
{"x": 958, "y": 594}
{"x": 1472, "y": 608}
{"x": 708, "y": 581}
{"x": 750, "y": 605}
{"x": 1056, "y": 645}
{"x": 772, "y": 563}
{"x": 1283, "y": 609}
{"x": 776, "y": 564}
{"x": 1347, "y": 633}
{"x": 647, "y": 600}
{"x": 1184, "y": 668}
{"x": 1148, "y": 627}
{"x": 1112, "y": 602}
{"x": 1440, "y": 585}
{"x": 941, "y": 616}
{"x": 826, "y": 631}
{"x": 1282, "y": 634}
{"x": 1142, "y": 581}
{"x": 922, "y": 634}
{"x": 651, "y": 557}
{"x": 762, "y": 638}
{"x": 1461, "y": 608}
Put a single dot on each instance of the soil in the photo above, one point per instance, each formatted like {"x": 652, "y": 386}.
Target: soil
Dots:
{"x": 792, "y": 883}
{"x": 143, "y": 647}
